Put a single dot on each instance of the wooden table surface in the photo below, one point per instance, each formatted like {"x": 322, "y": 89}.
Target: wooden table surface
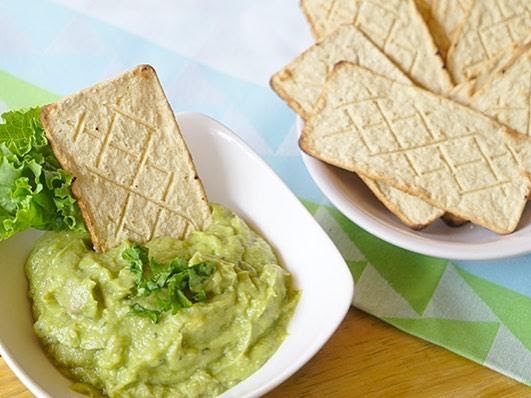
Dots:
{"x": 367, "y": 358}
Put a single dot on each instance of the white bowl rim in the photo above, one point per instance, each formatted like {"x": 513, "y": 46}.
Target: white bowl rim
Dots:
{"x": 19, "y": 372}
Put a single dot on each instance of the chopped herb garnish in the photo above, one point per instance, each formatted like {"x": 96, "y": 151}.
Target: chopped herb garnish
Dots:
{"x": 165, "y": 287}
{"x": 138, "y": 310}
{"x": 136, "y": 256}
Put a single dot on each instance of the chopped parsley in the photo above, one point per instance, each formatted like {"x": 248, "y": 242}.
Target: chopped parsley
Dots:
{"x": 162, "y": 288}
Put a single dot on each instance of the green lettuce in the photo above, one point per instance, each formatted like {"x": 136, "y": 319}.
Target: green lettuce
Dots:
{"x": 34, "y": 190}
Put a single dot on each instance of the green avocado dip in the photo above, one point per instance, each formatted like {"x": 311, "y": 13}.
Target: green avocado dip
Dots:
{"x": 116, "y": 332}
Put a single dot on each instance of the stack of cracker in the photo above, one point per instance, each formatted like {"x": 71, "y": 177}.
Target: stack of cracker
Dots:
{"x": 428, "y": 101}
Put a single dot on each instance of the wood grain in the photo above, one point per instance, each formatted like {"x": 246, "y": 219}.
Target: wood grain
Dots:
{"x": 10, "y": 387}
{"x": 368, "y": 358}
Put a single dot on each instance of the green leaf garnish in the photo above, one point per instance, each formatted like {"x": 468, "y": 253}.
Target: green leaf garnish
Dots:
{"x": 136, "y": 256}
{"x": 34, "y": 190}
{"x": 138, "y": 310}
{"x": 165, "y": 287}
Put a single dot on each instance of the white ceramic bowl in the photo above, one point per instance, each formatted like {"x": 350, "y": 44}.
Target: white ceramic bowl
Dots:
{"x": 236, "y": 177}
{"x": 469, "y": 242}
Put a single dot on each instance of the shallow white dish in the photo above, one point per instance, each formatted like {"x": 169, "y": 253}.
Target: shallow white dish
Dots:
{"x": 236, "y": 177}
{"x": 469, "y": 242}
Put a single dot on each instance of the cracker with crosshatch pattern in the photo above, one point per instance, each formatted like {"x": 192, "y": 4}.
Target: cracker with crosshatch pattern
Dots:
{"x": 453, "y": 157}
{"x": 443, "y": 18}
{"x": 134, "y": 176}
{"x": 507, "y": 96}
{"x": 463, "y": 91}
{"x": 394, "y": 26}
{"x": 301, "y": 81}
{"x": 489, "y": 29}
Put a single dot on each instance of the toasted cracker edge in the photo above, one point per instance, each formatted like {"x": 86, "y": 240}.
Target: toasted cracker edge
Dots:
{"x": 277, "y": 88}
{"x": 189, "y": 159}
{"x": 88, "y": 217}
{"x": 313, "y": 25}
{"x": 394, "y": 209}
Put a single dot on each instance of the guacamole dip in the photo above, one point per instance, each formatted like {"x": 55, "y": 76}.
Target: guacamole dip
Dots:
{"x": 82, "y": 303}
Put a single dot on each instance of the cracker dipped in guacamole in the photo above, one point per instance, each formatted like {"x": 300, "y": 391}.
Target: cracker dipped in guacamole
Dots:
{"x": 83, "y": 306}
{"x": 140, "y": 287}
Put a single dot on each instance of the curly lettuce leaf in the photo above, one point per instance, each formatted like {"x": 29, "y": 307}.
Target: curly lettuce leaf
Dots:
{"x": 34, "y": 190}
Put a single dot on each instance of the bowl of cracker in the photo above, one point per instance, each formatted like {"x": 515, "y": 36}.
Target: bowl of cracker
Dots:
{"x": 414, "y": 120}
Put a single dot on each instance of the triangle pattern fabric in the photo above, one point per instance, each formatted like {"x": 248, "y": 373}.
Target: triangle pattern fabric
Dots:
{"x": 472, "y": 340}
{"x": 454, "y": 299}
{"x": 417, "y": 276}
{"x": 310, "y": 206}
{"x": 290, "y": 147}
{"x": 16, "y": 93}
{"x": 509, "y": 355}
{"x": 346, "y": 246}
{"x": 513, "y": 309}
{"x": 374, "y": 295}
{"x": 356, "y": 269}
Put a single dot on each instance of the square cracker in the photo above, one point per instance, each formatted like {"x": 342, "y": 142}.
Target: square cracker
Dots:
{"x": 300, "y": 83}
{"x": 451, "y": 156}
{"x": 134, "y": 176}
{"x": 490, "y": 27}
{"x": 394, "y": 26}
